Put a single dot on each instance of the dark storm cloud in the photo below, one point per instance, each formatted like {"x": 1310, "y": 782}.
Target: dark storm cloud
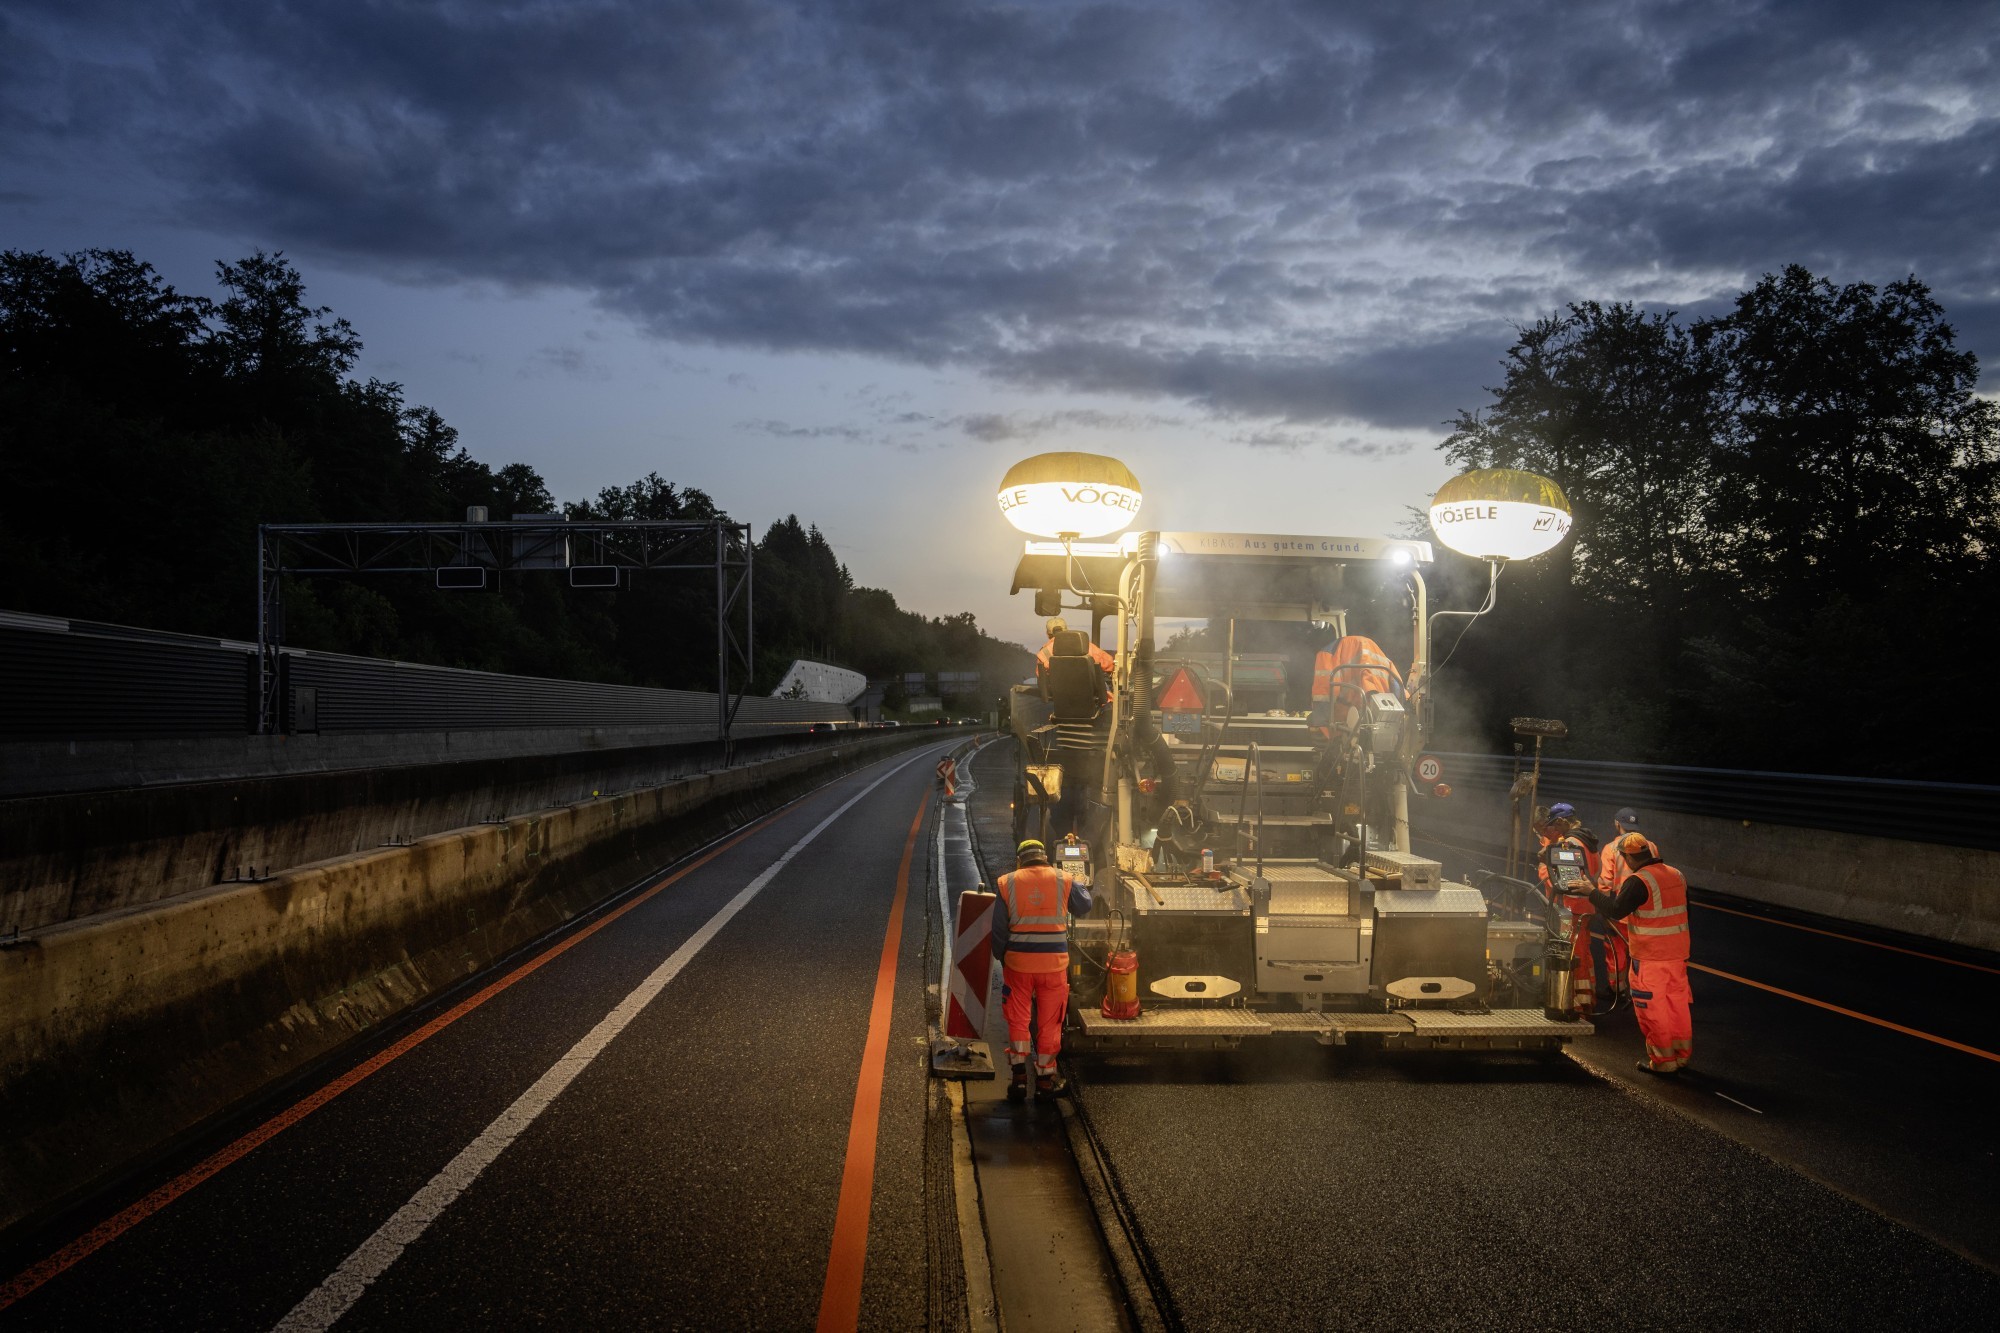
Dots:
{"x": 1288, "y": 210}
{"x": 909, "y": 430}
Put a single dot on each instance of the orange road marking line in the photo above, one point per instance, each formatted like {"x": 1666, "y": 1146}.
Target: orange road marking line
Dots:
{"x": 28, "y": 1279}
{"x": 1850, "y": 1013}
{"x": 1852, "y": 939}
{"x": 840, "y": 1299}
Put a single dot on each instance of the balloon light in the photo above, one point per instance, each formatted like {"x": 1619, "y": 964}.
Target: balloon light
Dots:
{"x": 1500, "y": 514}
{"x": 1069, "y": 495}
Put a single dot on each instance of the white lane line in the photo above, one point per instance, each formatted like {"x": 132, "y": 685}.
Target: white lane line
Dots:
{"x": 334, "y": 1297}
{"x": 1745, "y": 1105}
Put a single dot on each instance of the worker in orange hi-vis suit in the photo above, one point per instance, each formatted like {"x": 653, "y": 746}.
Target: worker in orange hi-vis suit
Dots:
{"x": 1653, "y": 904}
{"x": 1345, "y": 673}
{"x": 1612, "y": 872}
{"x": 1567, "y": 880}
{"x": 1031, "y": 939}
{"x": 1057, "y": 625}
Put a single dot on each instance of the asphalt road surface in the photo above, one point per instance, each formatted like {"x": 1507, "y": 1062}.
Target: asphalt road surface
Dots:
{"x": 1287, "y": 1185}
{"x": 667, "y": 1120}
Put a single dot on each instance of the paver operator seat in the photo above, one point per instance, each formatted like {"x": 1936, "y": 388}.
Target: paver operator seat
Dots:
{"x": 1074, "y": 685}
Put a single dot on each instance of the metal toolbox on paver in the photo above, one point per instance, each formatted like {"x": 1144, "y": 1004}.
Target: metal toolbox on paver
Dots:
{"x": 1188, "y": 930}
{"x": 1430, "y": 943}
{"x": 1314, "y": 933}
{"x": 1414, "y": 872}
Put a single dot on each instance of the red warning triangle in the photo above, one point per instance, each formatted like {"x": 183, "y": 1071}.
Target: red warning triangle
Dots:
{"x": 1182, "y": 695}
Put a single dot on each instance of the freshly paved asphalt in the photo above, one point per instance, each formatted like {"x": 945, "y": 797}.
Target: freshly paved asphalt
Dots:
{"x": 687, "y": 1178}
{"x": 1289, "y": 1186}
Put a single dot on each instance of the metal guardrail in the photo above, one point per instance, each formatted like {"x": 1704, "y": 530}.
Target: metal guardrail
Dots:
{"x": 1947, "y": 814}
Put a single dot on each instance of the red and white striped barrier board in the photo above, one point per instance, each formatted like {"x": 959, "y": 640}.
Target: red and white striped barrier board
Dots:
{"x": 971, "y": 966}
{"x": 947, "y": 772}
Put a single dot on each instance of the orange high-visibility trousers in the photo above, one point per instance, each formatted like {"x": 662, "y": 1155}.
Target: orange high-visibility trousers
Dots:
{"x": 1583, "y": 980}
{"x": 1039, "y": 1000}
{"x": 1665, "y": 1008}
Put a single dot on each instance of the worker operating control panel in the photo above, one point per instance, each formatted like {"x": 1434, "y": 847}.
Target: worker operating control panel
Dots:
{"x": 1567, "y": 866}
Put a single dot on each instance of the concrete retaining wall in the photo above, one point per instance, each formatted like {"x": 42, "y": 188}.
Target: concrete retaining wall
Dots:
{"x": 122, "y": 1031}
{"x": 63, "y": 858}
{"x": 39, "y": 767}
{"x": 1941, "y": 893}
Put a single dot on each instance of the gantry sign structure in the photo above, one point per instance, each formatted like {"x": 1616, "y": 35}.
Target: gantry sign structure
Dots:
{"x": 599, "y": 553}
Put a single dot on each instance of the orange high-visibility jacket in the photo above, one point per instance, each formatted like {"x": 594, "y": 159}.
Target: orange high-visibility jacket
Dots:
{"x": 1346, "y": 672}
{"x": 1657, "y": 930}
{"x": 1035, "y": 902}
{"x": 1097, "y": 655}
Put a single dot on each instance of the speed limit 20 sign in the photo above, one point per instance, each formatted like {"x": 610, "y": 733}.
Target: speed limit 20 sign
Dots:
{"x": 1429, "y": 769}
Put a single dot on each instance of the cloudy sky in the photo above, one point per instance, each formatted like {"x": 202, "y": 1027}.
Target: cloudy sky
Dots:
{"x": 851, "y": 260}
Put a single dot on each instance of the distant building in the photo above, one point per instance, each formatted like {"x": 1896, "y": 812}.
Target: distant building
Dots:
{"x": 820, "y": 683}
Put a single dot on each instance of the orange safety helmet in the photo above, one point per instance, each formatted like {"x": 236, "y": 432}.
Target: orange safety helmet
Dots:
{"x": 1635, "y": 845}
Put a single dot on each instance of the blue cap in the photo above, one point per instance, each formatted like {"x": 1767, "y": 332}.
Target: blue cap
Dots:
{"x": 1628, "y": 817}
{"x": 1562, "y": 810}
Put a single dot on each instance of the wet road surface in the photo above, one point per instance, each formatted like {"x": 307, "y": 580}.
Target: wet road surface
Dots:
{"x": 574, "y": 1151}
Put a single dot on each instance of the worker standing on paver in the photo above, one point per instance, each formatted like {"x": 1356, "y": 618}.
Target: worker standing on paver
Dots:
{"x": 1057, "y": 625}
{"x": 1345, "y": 673}
{"x": 1031, "y": 939}
{"x": 1653, "y": 903}
{"x": 1559, "y": 828}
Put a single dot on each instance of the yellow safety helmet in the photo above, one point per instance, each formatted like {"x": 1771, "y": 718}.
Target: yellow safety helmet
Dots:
{"x": 1031, "y": 847}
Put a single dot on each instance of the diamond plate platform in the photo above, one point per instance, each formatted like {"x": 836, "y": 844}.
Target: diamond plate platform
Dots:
{"x": 1499, "y": 1023}
{"x": 1177, "y": 1023}
{"x": 1308, "y": 1023}
{"x": 1324, "y": 897}
{"x": 1190, "y": 898}
{"x": 1300, "y": 871}
{"x": 1332, "y": 1022}
{"x": 1369, "y": 1023}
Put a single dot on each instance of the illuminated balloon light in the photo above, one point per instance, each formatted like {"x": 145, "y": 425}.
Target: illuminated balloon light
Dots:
{"x": 1500, "y": 514}
{"x": 1069, "y": 495}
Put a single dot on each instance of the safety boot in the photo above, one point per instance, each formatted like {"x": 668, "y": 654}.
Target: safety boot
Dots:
{"x": 1051, "y": 1085}
{"x": 1017, "y": 1087}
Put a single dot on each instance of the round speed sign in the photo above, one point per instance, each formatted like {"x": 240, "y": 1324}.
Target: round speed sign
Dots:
{"x": 1429, "y": 769}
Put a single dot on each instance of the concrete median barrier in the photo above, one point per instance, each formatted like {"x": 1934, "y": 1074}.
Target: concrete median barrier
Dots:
{"x": 67, "y": 856}
{"x": 127, "y": 1029}
{"x": 1940, "y": 893}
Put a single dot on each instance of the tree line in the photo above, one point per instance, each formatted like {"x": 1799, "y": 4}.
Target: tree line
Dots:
{"x": 1784, "y": 546}
{"x": 145, "y": 432}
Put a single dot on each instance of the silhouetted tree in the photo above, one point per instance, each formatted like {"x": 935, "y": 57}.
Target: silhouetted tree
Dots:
{"x": 1781, "y": 513}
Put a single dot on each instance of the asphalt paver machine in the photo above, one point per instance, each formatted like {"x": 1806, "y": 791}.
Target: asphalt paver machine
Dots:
{"x": 1255, "y": 856}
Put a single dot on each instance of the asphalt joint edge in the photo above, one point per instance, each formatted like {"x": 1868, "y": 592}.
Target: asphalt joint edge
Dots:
{"x": 1091, "y": 1175}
